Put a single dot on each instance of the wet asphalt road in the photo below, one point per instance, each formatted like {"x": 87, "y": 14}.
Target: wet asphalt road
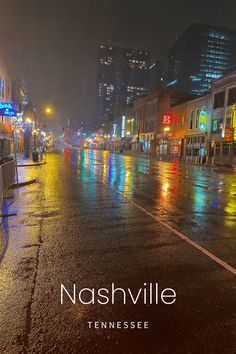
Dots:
{"x": 78, "y": 224}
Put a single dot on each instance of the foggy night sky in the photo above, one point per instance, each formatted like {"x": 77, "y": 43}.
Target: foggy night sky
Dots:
{"x": 57, "y": 40}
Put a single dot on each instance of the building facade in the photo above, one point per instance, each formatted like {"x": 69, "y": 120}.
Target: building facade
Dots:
{"x": 122, "y": 78}
{"x": 210, "y": 130}
{"x": 149, "y": 114}
{"x": 5, "y": 121}
{"x": 200, "y": 55}
{"x": 198, "y": 129}
{"x": 223, "y": 125}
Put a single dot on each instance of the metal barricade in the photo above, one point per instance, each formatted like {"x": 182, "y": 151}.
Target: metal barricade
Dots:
{"x": 8, "y": 174}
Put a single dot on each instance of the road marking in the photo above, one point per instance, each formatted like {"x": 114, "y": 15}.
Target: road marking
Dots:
{"x": 172, "y": 229}
{"x": 185, "y": 238}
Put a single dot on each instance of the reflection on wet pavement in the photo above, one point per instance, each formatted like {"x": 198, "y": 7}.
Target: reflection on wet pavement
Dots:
{"x": 198, "y": 201}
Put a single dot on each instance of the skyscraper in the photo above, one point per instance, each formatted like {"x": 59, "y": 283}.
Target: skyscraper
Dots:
{"x": 157, "y": 76}
{"x": 122, "y": 77}
{"x": 199, "y": 55}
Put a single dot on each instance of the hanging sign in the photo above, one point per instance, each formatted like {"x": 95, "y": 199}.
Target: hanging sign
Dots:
{"x": 202, "y": 120}
{"x": 234, "y": 122}
{"x": 7, "y": 109}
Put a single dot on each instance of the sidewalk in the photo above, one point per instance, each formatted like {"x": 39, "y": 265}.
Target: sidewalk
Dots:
{"x": 27, "y": 175}
{"x": 22, "y": 161}
{"x": 27, "y": 169}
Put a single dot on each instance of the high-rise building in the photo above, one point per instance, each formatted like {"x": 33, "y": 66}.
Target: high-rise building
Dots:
{"x": 122, "y": 77}
{"x": 157, "y": 76}
{"x": 199, "y": 55}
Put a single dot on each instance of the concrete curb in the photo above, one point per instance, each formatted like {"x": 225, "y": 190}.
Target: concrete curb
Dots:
{"x": 25, "y": 183}
{"x": 3, "y": 242}
{"x": 32, "y": 164}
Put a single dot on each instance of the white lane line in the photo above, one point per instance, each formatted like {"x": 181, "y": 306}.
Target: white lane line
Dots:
{"x": 185, "y": 238}
{"x": 176, "y": 232}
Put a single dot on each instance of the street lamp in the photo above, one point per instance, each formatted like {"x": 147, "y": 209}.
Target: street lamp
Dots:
{"x": 48, "y": 110}
{"x": 35, "y": 135}
{"x": 28, "y": 120}
{"x": 27, "y": 135}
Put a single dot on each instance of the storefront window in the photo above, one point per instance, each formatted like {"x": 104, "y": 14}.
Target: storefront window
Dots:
{"x": 189, "y": 151}
{"x": 232, "y": 96}
{"x": 233, "y": 151}
{"x": 191, "y": 120}
{"x": 228, "y": 121}
{"x": 219, "y": 99}
{"x": 217, "y": 148}
{"x": 197, "y": 119}
{"x": 225, "y": 149}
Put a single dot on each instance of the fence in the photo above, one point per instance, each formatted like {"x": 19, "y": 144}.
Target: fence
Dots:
{"x": 225, "y": 160}
{"x": 8, "y": 175}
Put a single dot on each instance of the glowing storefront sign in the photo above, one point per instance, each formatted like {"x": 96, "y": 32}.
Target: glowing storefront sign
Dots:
{"x": 170, "y": 119}
{"x": 229, "y": 134}
{"x": 176, "y": 149}
{"x": 234, "y": 121}
{"x": 7, "y": 109}
{"x": 8, "y": 113}
{"x": 17, "y": 121}
{"x": 6, "y": 105}
{"x": 166, "y": 119}
{"x": 123, "y": 127}
{"x": 202, "y": 120}
{"x": 114, "y": 129}
{"x": 215, "y": 125}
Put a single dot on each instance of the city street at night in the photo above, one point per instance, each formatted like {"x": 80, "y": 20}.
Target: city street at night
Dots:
{"x": 94, "y": 218}
{"x": 117, "y": 177}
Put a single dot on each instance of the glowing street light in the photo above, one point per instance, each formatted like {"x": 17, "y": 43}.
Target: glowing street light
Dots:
{"x": 48, "y": 110}
{"x": 28, "y": 120}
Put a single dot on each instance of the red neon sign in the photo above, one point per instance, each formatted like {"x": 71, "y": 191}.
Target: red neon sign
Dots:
{"x": 166, "y": 119}
{"x": 170, "y": 119}
{"x": 176, "y": 148}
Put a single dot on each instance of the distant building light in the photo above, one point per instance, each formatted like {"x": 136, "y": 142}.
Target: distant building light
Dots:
{"x": 152, "y": 66}
{"x": 171, "y": 83}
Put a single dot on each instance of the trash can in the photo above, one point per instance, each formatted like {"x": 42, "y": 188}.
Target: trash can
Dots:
{"x": 35, "y": 156}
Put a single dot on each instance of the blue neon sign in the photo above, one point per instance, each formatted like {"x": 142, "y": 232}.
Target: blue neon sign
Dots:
{"x": 6, "y": 105}
{"x": 7, "y": 109}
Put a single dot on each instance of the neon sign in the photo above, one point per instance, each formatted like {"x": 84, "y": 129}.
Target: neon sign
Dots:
{"x": 214, "y": 125}
{"x": 176, "y": 149}
{"x": 202, "y": 120}
{"x": 8, "y": 113}
{"x": 17, "y": 121}
{"x": 123, "y": 127}
{"x": 170, "y": 119}
{"x": 234, "y": 122}
{"x": 7, "y": 109}
{"x": 6, "y": 105}
{"x": 114, "y": 129}
{"x": 166, "y": 119}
